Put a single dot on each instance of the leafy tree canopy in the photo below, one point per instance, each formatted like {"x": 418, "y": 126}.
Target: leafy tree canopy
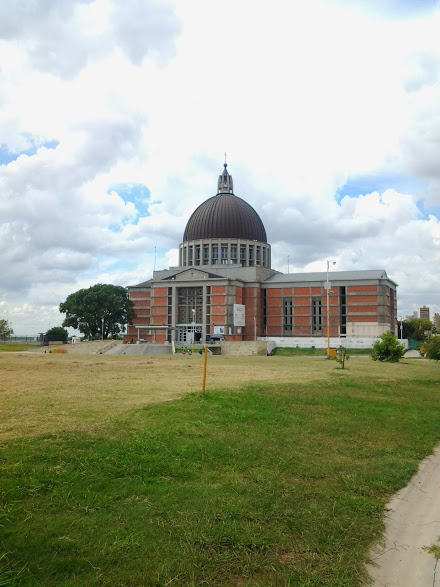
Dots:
{"x": 387, "y": 349}
{"x": 101, "y": 308}
{"x": 415, "y": 328}
{"x": 57, "y": 333}
{"x": 5, "y": 328}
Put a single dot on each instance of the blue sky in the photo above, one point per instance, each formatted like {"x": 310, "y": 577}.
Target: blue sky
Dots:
{"x": 7, "y": 156}
{"x": 329, "y": 111}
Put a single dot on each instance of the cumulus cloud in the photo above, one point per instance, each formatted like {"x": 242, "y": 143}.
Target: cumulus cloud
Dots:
{"x": 63, "y": 37}
{"x": 100, "y": 95}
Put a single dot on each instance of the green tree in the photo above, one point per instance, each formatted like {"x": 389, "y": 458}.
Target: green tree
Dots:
{"x": 432, "y": 348}
{"x": 100, "y": 309}
{"x": 387, "y": 349}
{"x": 416, "y": 328}
{"x": 5, "y": 329}
{"x": 57, "y": 333}
{"x": 342, "y": 356}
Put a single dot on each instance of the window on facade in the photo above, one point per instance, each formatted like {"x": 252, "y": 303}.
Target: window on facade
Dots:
{"x": 264, "y": 307}
{"x": 169, "y": 312}
{"x": 287, "y": 315}
{"x": 242, "y": 254}
{"x": 251, "y": 255}
{"x": 224, "y": 254}
{"x": 208, "y": 310}
{"x": 205, "y": 254}
{"x": 258, "y": 259}
{"x": 392, "y": 312}
{"x": 316, "y": 315}
{"x": 189, "y": 299}
{"x": 234, "y": 254}
{"x": 190, "y": 255}
{"x": 214, "y": 255}
{"x": 342, "y": 311}
{"x": 197, "y": 255}
{"x": 264, "y": 256}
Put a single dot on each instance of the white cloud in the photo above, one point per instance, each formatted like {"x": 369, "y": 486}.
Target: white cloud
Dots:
{"x": 305, "y": 98}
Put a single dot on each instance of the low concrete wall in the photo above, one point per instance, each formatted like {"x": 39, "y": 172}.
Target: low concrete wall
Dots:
{"x": 241, "y": 348}
{"x": 93, "y": 347}
{"x": 306, "y": 342}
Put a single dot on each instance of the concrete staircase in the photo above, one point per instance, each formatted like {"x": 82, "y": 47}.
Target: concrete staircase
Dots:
{"x": 141, "y": 349}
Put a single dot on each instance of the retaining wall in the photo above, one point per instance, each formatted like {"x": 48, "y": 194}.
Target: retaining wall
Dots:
{"x": 235, "y": 348}
{"x": 305, "y": 342}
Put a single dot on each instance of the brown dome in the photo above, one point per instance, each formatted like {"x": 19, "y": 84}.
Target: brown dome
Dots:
{"x": 225, "y": 216}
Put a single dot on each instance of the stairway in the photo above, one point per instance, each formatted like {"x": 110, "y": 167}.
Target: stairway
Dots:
{"x": 141, "y": 349}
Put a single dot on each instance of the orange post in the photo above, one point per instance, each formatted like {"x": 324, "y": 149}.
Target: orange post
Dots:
{"x": 204, "y": 370}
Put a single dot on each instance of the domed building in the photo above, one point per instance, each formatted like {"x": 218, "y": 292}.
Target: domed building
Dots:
{"x": 224, "y": 287}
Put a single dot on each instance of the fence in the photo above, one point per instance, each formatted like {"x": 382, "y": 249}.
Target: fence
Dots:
{"x": 30, "y": 339}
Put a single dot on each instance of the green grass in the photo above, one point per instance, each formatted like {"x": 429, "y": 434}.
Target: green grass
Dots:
{"x": 280, "y": 484}
{"x": 287, "y": 351}
{"x": 6, "y": 347}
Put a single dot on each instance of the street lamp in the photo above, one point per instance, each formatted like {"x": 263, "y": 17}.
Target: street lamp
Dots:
{"x": 193, "y": 327}
{"x": 327, "y": 285}
{"x": 102, "y": 329}
{"x": 401, "y": 328}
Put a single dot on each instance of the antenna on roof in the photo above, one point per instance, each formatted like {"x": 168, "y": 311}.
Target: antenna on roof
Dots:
{"x": 288, "y": 266}
{"x": 225, "y": 160}
{"x": 154, "y": 266}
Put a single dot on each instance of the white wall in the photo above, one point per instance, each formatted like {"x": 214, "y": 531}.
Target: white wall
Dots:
{"x": 321, "y": 342}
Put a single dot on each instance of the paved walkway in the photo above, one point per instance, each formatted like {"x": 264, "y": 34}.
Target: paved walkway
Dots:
{"x": 412, "y": 526}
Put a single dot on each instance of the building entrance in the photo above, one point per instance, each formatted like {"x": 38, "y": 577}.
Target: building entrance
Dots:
{"x": 188, "y": 333}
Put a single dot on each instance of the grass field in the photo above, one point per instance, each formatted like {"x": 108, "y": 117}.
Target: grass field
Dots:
{"x": 116, "y": 471}
{"x": 15, "y": 347}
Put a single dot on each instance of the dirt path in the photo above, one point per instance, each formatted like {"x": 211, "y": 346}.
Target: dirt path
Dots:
{"x": 412, "y": 526}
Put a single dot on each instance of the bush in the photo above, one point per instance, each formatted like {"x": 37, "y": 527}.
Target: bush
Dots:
{"x": 342, "y": 356}
{"x": 57, "y": 333}
{"x": 432, "y": 349}
{"x": 387, "y": 349}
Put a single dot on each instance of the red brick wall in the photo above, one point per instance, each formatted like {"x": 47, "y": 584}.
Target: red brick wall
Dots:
{"x": 141, "y": 299}
{"x": 253, "y": 303}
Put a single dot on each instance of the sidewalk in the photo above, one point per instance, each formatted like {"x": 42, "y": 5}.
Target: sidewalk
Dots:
{"x": 412, "y": 526}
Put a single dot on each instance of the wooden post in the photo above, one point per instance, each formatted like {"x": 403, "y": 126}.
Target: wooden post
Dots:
{"x": 204, "y": 370}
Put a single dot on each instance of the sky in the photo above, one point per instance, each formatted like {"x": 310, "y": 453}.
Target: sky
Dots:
{"x": 115, "y": 117}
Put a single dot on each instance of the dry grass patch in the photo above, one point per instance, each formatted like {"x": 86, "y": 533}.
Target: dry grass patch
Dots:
{"x": 43, "y": 393}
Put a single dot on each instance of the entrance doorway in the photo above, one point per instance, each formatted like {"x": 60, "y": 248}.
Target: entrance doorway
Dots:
{"x": 188, "y": 333}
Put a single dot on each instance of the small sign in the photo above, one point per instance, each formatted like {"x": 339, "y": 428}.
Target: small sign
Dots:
{"x": 239, "y": 315}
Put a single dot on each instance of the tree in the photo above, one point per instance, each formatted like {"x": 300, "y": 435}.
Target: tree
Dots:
{"x": 415, "y": 328}
{"x": 387, "y": 349}
{"x": 432, "y": 348}
{"x": 57, "y": 333}
{"x": 5, "y": 329}
{"x": 101, "y": 309}
{"x": 342, "y": 356}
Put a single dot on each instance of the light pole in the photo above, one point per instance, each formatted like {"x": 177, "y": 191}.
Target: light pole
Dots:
{"x": 194, "y": 328}
{"x": 327, "y": 285}
{"x": 401, "y": 328}
{"x": 102, "y": 329}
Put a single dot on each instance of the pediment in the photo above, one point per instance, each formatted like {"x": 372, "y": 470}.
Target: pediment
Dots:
{"x": 193, "y": 275}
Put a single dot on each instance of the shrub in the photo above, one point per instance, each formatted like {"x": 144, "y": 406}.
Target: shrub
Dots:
{"x": 432, "y": 349}
{"x": 387, "y": 349}
{"x": 57, "y": 333}
{"x": 342, "y": 356}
